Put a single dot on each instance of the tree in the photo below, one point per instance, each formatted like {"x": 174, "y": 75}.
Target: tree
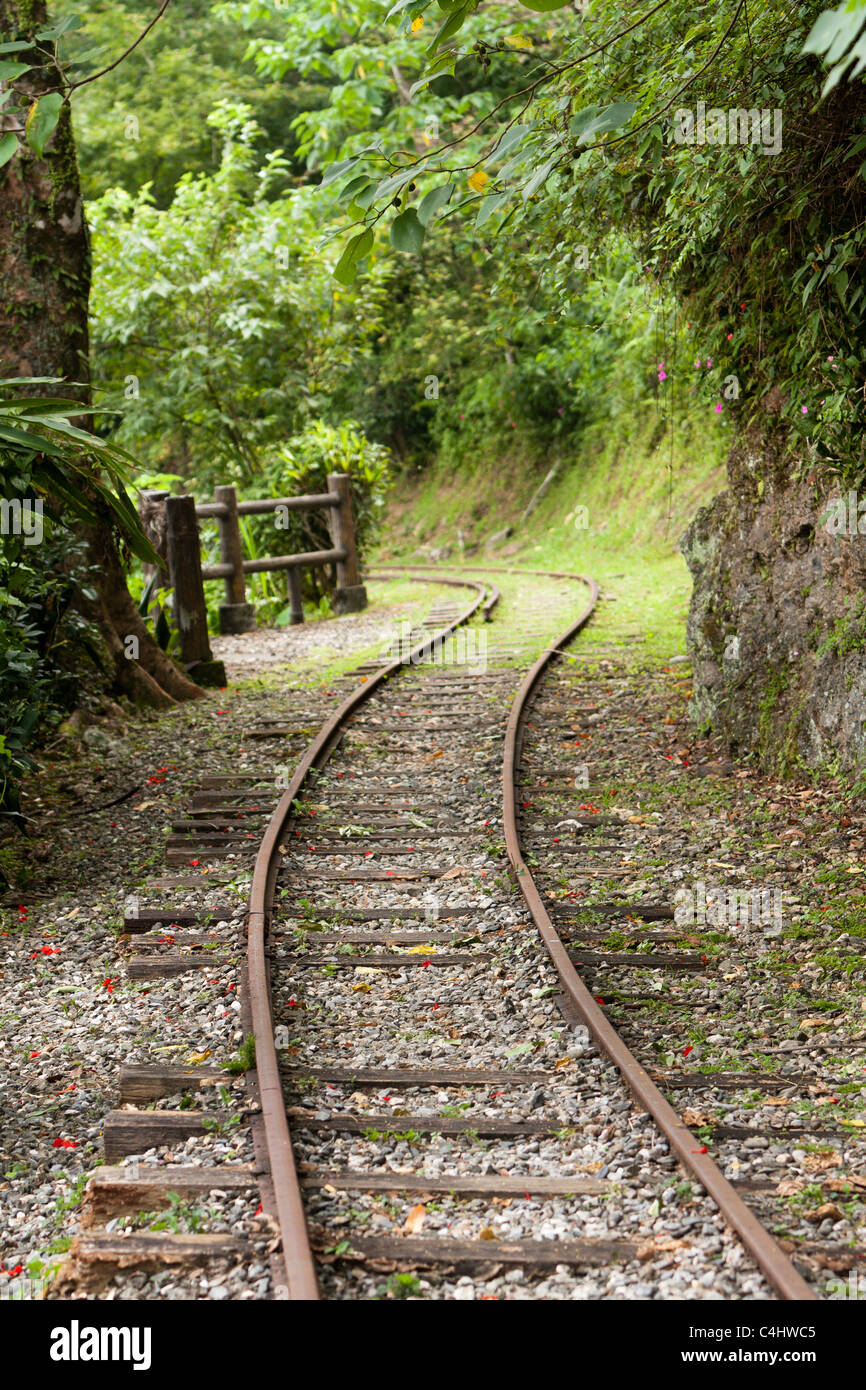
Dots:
{"x": 44, "y": 306}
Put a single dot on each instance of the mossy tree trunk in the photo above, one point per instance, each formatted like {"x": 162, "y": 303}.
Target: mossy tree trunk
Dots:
{"x": 44, "y": 290}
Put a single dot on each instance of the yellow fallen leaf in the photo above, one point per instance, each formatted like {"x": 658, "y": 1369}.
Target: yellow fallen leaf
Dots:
{"x": 195, "y": 1058}
{"x": 361, "y": 988}
{"x": 421, "y": 951}
{"x": 487, "y": 1233}
{"x": 415, "y": 1220}
{"x": 563, "y": 1062}
{"x": 478, "y": 180}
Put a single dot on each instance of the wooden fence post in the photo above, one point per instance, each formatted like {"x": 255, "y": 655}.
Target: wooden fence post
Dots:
{"x": 236, "y": 615}
{"x": 351, "y": 596}
{"x": 190, "y": 613}
{"x": 295, "y": 599}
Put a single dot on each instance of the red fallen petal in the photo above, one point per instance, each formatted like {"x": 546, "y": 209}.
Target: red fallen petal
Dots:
{"x": 687, "y": 1050}
{"x": 701, "y": 1150}
{"x": 599, "y": 1000}
{"x": 35, "y": 1054}
{"x": 527, "y": 1196}
{"x": 258, "y": 1210}
{"x": 424, "y": 964}
{"x": 497, "y": 1094}
{"x": 194, "y": 863}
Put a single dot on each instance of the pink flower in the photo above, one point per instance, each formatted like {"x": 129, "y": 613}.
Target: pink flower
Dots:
{"x": 719, "y": 407}
{"x": 730, "y": 336}
{"x": 663, "y": 376}
{"x": 698, "y": 363}
{"x": 804, "y": 409}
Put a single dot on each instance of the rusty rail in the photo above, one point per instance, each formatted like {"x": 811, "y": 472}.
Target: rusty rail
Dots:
{"x": 297, "y": 1257}
{"x": 772, "y": 1260}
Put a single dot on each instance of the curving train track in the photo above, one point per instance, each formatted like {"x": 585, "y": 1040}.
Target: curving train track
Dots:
{"x": 439, "y": 1098}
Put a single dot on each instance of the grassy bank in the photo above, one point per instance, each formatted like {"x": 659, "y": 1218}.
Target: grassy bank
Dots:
{"x": 614, "y": 510}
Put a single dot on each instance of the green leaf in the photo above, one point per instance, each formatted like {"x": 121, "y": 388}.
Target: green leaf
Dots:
{"x": 452, "y": 26}
{"x": 42, "y": 121}
{"x": 440, "y": 65}
{"x": 347, "y": 193}
{"x": 538, "y": 178}
{"x": 62, "y": 27}
{"x": 338, "y": 168}
{"x": 8, "y": 147}
{"x": 407, "y": 231}
{"x": 510, "y": 140}
{"x": 433, "y": 201}
{"x": 396, "y": 181}
{"x": 610, "y": 118}
{"x": 30, "y": 439}
{"x": 489, "y": 206}
{"x": 823, "y": 32}
{"x": 544, "y": 6}
{"x": 356, "y": 249}
{"x": 9, "y": 71}
{"x": 14, "y": 47}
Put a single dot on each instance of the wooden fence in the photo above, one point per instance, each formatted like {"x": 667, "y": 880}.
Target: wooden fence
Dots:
{"x": 177, "y": 537}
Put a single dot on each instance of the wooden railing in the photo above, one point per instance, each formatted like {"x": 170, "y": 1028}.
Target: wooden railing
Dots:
{"x": 186, "y": 575}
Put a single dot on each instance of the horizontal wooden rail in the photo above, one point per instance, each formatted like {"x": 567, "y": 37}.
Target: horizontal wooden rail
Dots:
{"x": 275, "y": 562}
{"x": 186, "y": 573}
{"x": 260, "y": 506}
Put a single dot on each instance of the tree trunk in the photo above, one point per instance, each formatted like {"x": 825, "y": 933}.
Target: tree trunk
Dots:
{"x": 44, "y": 291}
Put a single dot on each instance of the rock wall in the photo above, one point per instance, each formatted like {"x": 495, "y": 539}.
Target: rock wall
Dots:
{"x": 777, "y": 623}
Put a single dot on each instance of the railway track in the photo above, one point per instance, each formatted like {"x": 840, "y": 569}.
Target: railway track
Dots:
{"x": 440, "y": 1103}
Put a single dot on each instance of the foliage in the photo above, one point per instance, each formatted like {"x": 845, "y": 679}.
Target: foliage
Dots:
{"x": 216, "y": 324}
{"x": 301, "y": 467}
{"x": 64, "y": 461}
{"x": 51, "y": 472}
{"x": 144, "y": 122}
{"x": 761, "y": 246}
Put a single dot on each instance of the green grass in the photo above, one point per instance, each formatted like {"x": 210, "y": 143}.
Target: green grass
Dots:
{"x": 639, "y": 497}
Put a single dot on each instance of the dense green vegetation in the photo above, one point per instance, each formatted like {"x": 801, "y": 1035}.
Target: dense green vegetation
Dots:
{"x": 432, "y": 234}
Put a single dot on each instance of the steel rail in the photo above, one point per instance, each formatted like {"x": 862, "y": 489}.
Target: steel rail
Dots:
{"x": 772, "y": 1260}
{"x": 301, "y": 1281}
